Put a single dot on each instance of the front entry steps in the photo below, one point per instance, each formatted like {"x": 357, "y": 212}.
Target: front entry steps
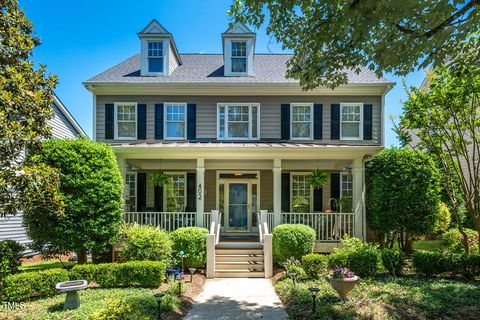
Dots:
{"x": 239, "y": 260}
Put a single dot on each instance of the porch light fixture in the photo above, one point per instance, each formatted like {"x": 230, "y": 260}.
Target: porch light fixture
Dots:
{"x": 159, "y": 297}
{"x": 314, "y": 292}
{"x": 238, "y": 174}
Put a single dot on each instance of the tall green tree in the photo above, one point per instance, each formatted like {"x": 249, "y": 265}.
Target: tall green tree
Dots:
{"x": 328, "y": 37}
{"x": 25, "y": 106}
{"x": 91, "y": 190}
{"x": 443, "y": 117}
{"x": 403, "y": 196}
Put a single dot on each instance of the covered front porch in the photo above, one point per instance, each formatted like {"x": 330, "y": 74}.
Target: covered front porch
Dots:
{"x": 240, "y": 182}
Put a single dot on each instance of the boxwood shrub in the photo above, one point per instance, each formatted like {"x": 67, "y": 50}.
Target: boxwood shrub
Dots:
{"x": 393, "y": 261}
{"x": 360, "y": 257}
{"x": 144, "y": 242}
{"x": 192, "y": 241}
{"x": 470, "y": 265}
{"x": 10, "y": 255}
{"x": 314, "y": 264}
{"x": 292, "y": 240}
{"x": 32, "y": 285}
{"x": 113, "y": 275}
{"x": 430, "y": 263}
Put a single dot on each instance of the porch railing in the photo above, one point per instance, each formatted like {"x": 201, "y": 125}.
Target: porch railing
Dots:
{"x": 329, "y": 226}
{"x": 168, "y": 221}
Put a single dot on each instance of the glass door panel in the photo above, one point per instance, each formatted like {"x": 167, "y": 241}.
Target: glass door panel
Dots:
{"x": 238, "y": 206}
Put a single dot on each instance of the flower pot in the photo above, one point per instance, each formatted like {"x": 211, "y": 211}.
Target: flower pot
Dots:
{"x": 343, "y": 285}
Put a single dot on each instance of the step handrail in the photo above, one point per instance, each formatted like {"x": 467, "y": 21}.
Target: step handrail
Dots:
{"x": 266, "y": 241}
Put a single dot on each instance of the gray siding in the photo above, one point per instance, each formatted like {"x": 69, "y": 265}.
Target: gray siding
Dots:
{"x": 269, "y": 113}
{"x": 11, "y": 227}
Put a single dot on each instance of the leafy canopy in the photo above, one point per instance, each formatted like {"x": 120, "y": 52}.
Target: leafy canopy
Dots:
{"x": 444, "y": 119}
{"x": 327, "y": 37}
{"x": 403, "y": 193}
{"x": 25, "y": 104}
{"x": 91, "y": 190}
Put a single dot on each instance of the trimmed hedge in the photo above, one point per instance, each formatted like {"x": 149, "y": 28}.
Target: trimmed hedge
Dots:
{"x": 32, "y": 285}
{"x": 431, "y": 263}
{"x": 10, "y": 255}
{"x": 145, "y": 243}
{"x": 314, "y": 264}
{"x": 292, "y": 241}
{"x": 192, "y": 241}
{"x": 471, "y": 266}
{"x": 393, "y": 261}
{"x": 128, "y": 274}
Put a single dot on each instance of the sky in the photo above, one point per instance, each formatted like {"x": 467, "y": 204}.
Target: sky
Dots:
{"x": 83, "y": 38}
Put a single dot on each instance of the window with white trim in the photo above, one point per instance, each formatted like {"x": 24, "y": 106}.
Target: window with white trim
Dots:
{"x": 126, "y": 120}
{"x": 351, "y": 121}
{"x": 239, "y": 56}
{"x": 175, "y": 193}
{"x": 300, "y": 193}
{"x": 301, "y": 121}
{"x": 175, "y": 120}
{"x": 238, "y": 121}
{"x": 131, "y": 191}
{"x": 155, "y": 56}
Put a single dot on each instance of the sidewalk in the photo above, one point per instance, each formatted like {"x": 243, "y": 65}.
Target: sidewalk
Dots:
{"x": 227, "y": 299}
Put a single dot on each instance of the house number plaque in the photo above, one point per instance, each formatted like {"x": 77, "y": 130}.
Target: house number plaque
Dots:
{"x": 200, "y": 191}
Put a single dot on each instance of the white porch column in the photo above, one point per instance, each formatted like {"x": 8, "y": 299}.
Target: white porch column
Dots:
{"x": 277, "y": 192}
{"x": 358, "y": 187}
{"x": 200, "y": 192}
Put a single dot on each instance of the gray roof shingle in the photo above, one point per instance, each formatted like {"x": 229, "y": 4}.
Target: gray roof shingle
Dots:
{"x": 208, "y": 68}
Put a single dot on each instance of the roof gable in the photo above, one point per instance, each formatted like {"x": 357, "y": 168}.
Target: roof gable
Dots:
{"x": 238, "y": 28}
{"x": 154, "y": 28}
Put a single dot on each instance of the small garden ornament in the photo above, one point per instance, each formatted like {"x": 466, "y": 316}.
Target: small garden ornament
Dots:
{"x": 72, "y": 300}
{"x": 342, "y": 280}
{"x": 293, "y": 269}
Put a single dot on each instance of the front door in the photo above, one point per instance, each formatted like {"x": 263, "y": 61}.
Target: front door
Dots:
{"x": 238, "y": 206}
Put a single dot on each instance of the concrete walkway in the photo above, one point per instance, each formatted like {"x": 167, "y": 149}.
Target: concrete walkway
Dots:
{"x": 241, "y": 298}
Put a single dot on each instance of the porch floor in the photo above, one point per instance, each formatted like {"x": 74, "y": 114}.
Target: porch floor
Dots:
{"x": 239, "y": 238}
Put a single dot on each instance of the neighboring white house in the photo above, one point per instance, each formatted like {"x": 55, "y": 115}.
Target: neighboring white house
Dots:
{"x": 63, "y": 126}
{"x": 238, "y": 137}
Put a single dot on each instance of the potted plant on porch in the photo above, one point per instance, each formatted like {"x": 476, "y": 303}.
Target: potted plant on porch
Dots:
{"x": 343, "y": 281}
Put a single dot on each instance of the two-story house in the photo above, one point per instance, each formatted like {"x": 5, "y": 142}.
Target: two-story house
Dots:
{"x": 236, "y": 136}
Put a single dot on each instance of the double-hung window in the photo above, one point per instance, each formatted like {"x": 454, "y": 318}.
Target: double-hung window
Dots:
{"x": 155, "y": 56}
{"x": 126, "y": 120}
{"x": 302, "y": 121}
{"x": 175, "y": 121}
{"x": 300, "y": 192}
{"x": 239, "y": 56}
{"x": 238, "y": 121}
{"x": 351, "y": 121}
{"x": 346, "y": 191}
{"x": 175, "y": 192}
{"x": 131, "y": 192}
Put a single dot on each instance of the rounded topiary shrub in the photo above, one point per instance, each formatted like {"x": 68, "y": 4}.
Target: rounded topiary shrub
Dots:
{"x": 10, "y": 255}
{"x": 145, "y": 242}
{"x": 314, "y": 264}
{"x": 393, "y": 261}
{"x": 192, "y": 242}
{"x": 430, "y": 263}
{"x": 292, "y": 240}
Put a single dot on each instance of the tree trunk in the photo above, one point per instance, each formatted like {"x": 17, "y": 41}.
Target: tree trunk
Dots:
{"x": 409, "y": 247}
{"x": 81, "y": 257}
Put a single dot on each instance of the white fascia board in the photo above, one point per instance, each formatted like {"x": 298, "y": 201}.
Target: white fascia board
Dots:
{"x": 68, "y": 115}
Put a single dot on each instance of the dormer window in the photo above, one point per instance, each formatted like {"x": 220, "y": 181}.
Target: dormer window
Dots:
{"x": 155, "y": 56}
{"x": 239, "y": 56}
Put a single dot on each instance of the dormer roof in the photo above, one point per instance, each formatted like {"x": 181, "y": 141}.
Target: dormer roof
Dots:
{"x": 156, "y": 30}
{"x": 238, "y": 28}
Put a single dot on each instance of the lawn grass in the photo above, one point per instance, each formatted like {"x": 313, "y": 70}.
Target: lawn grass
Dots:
{"x": 384, "y": 297}
{"x": 44, "y": 265}
{"x": 428, "y": 245}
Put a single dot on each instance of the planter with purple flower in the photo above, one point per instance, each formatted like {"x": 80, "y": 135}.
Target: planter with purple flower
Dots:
{"x": 342, "y": 280}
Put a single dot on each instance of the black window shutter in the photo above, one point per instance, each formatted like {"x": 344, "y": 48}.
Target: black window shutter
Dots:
{"x": 142, "y": 121}
{"x": 335, "y": 122}
{"x": 318, "y": 200}
{"x": 159, "y": 121}
{"x": 317, "y": 121}
{"x": 286, "y": 192}
{"x": 285, "y": 122}
{"x": 367, "y": 122}
{"x": 158, "y": 198}
{"x": 191, "y": 121}
{"x": 141, "y": 191}
{"x": 335, "y": 187}
{"x": 109, "y": 119}
{"x": 191, "y": 194}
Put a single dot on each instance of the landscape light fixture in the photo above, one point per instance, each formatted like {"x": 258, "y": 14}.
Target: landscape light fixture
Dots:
{"x": 159, "y": 297}
{"x": 314, "y": 292}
